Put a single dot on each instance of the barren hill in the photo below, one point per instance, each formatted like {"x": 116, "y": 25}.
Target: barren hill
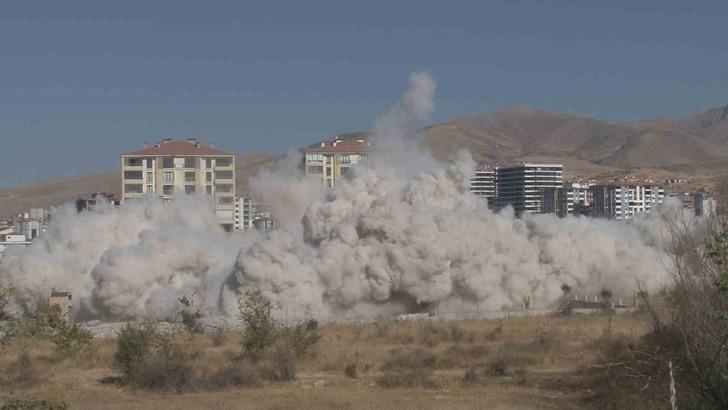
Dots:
{"x": 695, "y": 147}
{"x": 516, "y": 133}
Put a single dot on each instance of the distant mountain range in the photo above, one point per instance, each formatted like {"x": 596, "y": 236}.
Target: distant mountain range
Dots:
{"x": 695, "y": 147}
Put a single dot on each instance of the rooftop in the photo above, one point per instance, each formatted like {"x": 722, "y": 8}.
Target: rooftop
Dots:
{"x": 169, "y": 147}
{"x": 340, "y": 145}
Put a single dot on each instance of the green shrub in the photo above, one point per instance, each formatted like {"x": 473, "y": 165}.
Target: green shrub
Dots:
{"x": 260, "y": 328}
{"x": 133, "y": 344}
{"x": 47, "y": 322}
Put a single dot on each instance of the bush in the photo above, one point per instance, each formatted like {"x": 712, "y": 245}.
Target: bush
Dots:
{"x": 133, "y": 344}
{"x": 303, "y": 337}
{"x": 20, "y": 373}
{"x": 236, "y": 374}
{"x": 471, "y": 377}
{"x": 217, "y": 334}
{"x": 493, "y": 335}
{"x": 408, "y": 370}
{"x": 350, "y": 371}
{"x": 189, "y": 316}
{"x": 46, "y": 322}
{"x": 260, "y": 328}
{"x": 430, "y": 334}
{"x": 167, "y": 366}
{"x": 284, "y": 361}
{"x": 150, "y": 360}
{"x": 5, "y": 293}
{"x": 70, "y": 340}
{"x": 17, "y": 403}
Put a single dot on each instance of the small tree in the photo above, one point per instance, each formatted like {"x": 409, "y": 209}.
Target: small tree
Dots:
{"x": 260, "y": 328}
{"x": 190, "y": 316}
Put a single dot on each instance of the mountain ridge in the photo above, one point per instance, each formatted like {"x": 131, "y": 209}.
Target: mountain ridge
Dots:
{"x": 694, "y": 146}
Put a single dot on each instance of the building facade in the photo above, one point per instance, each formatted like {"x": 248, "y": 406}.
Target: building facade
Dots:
{"x": 331, "y": 160}
{"x": 483, "y": 184}
{"x": 623, "y": 202}
{"x": 521, "y": 186}
{"x": 175, "y": 167}
{"x": 704, "y": 204}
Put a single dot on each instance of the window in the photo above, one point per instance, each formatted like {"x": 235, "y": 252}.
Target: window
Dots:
{"x": 168, "y": 162}
{"x": 328, "y": 171}
{"x": 189, "y": 189}
{"x": 189, "y": 162}
{"x": 133, "y": 162}
{"x": 224, "y": 175}
{"x": 226, "y": 200}
{"x": 190, "y": 176}
{"x": 314, "y": 157}
{"x": 225, "y": 188}
{"x": 344, "y": 170}
{"x": 168, "y": 190}
{"x": 223, "y": 162}
{"x": 150, "y": 188}
{"x": 208, "y": 190}
{"x": 208, "y": 176}
{"x": 150, "y": 163}
{"x": 133, "y": 188}
{"x": 344, "y": 159}
{"x": 150, "y": 177}
{"x": 316, "y": 169}
{"x": 208, "y": 163}
{"x": 132, "y": 174}
{"x": 168, "y": 177}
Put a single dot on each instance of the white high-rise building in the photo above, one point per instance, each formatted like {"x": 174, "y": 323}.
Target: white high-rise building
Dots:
{"x": 623, "y": 202}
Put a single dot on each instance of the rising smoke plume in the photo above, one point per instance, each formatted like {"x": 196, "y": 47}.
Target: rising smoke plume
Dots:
{"x": 400, "y": 231}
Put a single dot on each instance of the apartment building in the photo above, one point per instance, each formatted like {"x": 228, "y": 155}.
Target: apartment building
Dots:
{"x": 573, "y": 199}
{"x": 623, "y": 202}
{"x": 174, "y": 167}
{"x": 245, "y": 210}
{"x": 483, "y": 183}
{"x": 704, "y": 205}
{"x": 331, "y": 160}
{"x": 521, "y": 185}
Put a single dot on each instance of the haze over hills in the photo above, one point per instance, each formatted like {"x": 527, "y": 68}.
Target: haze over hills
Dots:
{"x": 695, "y": 146}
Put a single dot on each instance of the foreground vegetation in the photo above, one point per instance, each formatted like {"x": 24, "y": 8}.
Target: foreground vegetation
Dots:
{"x": 517, "y": 363}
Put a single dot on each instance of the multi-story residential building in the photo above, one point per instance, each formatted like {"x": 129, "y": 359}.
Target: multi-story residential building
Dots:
{"x": 251, "y": 215}
{"x": 623, "y": 202}
{"x": 245, "y": 209}
{"x": 175, "y": 167}
{"x": 332, "y": 159}
{"x": 483, "y": 183}
{"x": 521, "y": 186}
{"x": 95, "y": 200}
{"x": 573, "y": 199}
{"x": 704, "y": 204}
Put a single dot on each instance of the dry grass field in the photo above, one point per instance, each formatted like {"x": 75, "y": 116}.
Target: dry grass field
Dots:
{"x": 520, "y": 363}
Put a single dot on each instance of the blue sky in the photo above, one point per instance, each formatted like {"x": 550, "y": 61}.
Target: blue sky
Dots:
{"x": 82, "y": 81}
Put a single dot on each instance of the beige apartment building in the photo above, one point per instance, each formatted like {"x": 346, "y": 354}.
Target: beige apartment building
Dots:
{"x": 332, "y": 159}
{"x": 174, "y": 167}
